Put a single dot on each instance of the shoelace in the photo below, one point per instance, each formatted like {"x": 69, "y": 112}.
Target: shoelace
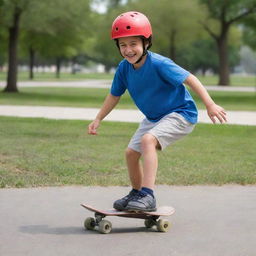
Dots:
{"x": 138, "y": 196}
{"x": 130, "y": 195}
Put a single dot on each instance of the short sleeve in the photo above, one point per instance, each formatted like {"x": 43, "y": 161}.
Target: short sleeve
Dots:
{"x": 172, "y": 73}
{"x": 118, "y": 85}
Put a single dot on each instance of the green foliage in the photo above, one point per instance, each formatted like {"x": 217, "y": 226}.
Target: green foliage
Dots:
{"x": 225, "y": 13}
{"x": 200, "y": 55}
{"x": 60, "y": 32}
{"x": 69, "y": 28}
{"x": 249, "y": 31}
{"x": 3, "y": 46}
{"x": 173, "y": 22}
{"x": 101, "y": 47}
{"x": 51, "y": 27}
{"x": 231, "y": 10}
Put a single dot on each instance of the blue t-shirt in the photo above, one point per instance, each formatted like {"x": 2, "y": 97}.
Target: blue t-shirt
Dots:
{"x": 156, "y": 87}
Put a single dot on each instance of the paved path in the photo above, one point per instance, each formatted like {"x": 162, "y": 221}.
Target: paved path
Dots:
{"x": 209, "y": 220}
{"x": 107, "y": 83}
{"x": 234, "y": 117}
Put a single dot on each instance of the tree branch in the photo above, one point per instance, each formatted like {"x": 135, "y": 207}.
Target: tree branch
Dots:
{"x": 209, "y": 30}
{"x": 244, "y": 14}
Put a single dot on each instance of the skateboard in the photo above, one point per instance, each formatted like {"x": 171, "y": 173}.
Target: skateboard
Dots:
{"x": 151, "y": 219}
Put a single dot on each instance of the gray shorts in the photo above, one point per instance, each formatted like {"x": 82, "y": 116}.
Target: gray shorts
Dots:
{"x": 167, "y": 130}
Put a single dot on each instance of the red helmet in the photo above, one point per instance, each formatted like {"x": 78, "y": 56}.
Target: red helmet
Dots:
{"x": 131, "y": 24}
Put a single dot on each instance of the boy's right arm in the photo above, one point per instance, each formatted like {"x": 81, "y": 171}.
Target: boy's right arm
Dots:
{"x": 109, "y": 103}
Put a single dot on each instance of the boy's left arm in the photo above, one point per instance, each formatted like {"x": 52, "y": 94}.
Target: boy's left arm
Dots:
{"x": 213, "y": 109}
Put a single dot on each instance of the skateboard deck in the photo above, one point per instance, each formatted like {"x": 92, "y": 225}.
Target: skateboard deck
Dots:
{"x": 151, "y": 218}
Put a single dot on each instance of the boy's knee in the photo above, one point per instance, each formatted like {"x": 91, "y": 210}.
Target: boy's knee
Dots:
{"x": 131, "y": 153}
{"x": 148, "y": 140}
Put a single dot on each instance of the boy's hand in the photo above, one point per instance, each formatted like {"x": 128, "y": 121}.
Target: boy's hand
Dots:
{"x": 93, "y": 126}
{"x": 216, "y": 111}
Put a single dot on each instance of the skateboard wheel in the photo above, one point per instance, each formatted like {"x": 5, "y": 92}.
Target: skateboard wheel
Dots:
{"x": 89, "y": 223}
{"x": 149, "y": 223}
{"x": 163, "y": 225}
{"x": 105, "y": 227}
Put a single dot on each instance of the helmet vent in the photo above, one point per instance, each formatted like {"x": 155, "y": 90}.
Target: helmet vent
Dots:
{"x": 116, "y": 28}
{"x": 128, "y": 27}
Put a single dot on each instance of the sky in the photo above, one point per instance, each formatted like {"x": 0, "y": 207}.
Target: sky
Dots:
{"x": 99, "y": 6}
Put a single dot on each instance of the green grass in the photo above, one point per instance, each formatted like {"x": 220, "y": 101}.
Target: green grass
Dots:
{"x": 236, "y": 80}
{"x": 46, "y": 76}
{"x": 91, "y": 97}
{"x": 231, "y": 100}
{"x": 41, "y": 152}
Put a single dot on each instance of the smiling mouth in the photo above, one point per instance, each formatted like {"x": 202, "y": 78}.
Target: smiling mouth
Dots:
{"x": 130, "y": 56}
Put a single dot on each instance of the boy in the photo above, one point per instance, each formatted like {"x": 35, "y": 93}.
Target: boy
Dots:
{"x": 155, "y": 84}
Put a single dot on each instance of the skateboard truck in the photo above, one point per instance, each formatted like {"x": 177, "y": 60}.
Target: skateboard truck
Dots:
{"x": 104, "y": 226}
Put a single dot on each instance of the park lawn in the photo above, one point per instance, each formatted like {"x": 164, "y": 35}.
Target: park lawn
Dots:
{"x": 43, "y": 152}
{"x": 94, "y": 97}
{"x": 236, "y": 80}
{"x": 49, "y": 76}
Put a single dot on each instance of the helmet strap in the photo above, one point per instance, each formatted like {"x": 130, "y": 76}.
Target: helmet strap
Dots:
{"x": 140, "y": 58}
{"x": 145, "y": 52}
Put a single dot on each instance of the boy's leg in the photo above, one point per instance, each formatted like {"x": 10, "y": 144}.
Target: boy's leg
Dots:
{"x": 136, "y": 176}
{"x": 149, "y": 145}
{"x": 134, "y": 167}
{"x": 145, "y": 199}
{"x": 165, "y": 132}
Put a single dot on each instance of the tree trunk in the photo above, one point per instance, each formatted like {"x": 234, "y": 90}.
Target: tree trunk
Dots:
{"x": 172, "y": 52}
{"x": 12, "y": 53}
{"x": 223, "y": 59}
{"x": 73, "y": 66}
{"x": 31, "y": 63}
{"x": 107, "y": 68}
{"x": 58, "y": 64}
{"x": 204, "y": 71}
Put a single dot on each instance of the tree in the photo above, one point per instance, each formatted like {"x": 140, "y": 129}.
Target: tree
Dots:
{"x": 60, "y": 34}
{"x": 226, "y": 12}
{"x": 60, "y": 22}
{"x": 12, "y": 11}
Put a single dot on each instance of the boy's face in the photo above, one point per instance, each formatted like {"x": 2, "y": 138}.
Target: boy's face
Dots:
{"x": 131, "y": 48}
